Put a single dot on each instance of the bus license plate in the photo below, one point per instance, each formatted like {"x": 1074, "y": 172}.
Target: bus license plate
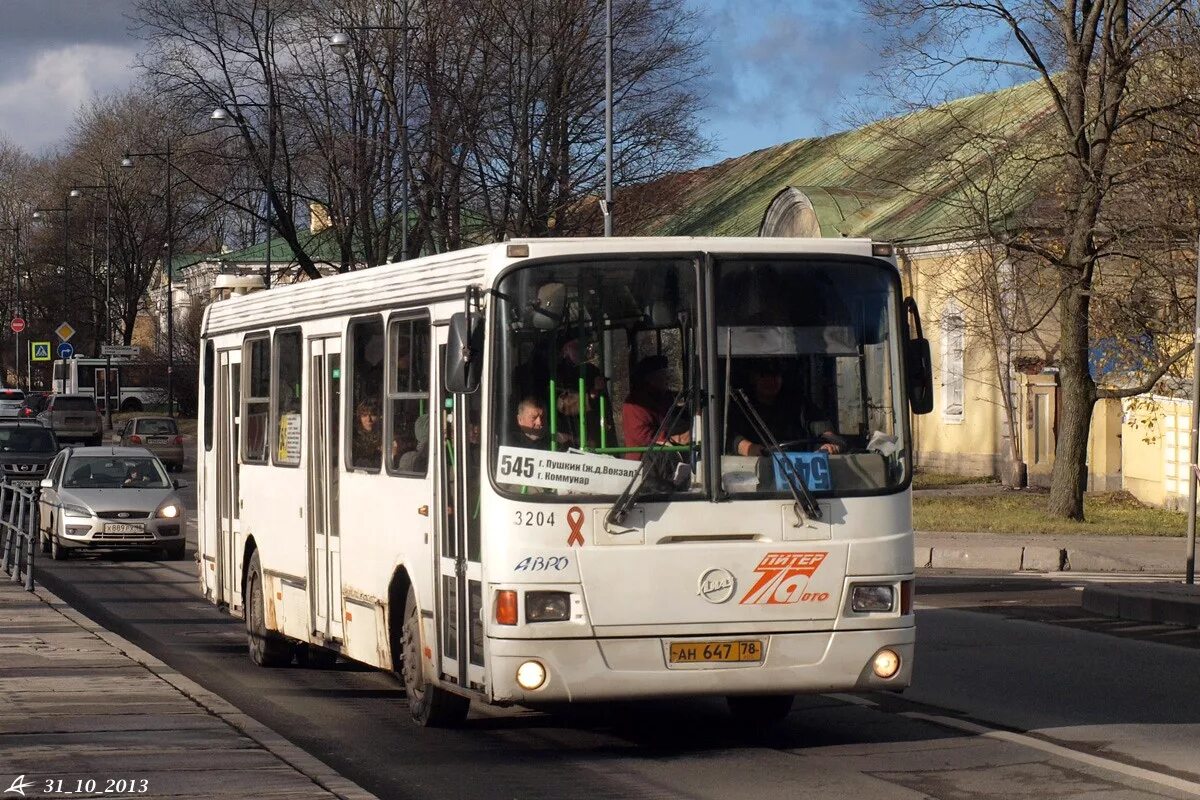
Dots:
{"x": 123, "y": 527}
{"x": 745, "y": 650}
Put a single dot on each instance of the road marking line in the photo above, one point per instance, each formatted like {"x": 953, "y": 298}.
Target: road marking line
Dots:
{"x": 1120, "y": 767}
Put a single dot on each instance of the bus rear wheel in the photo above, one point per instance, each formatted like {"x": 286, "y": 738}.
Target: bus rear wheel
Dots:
{"x": 757, "y": 711}
{"x": 267, "y": 648}
{"x": 430, "y": 706}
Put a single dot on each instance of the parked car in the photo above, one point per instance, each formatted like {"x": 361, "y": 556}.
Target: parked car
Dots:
{"x": 110, "y": 498}
{"x": 159, "y": 435}
{"x": 35, "y": 403}
{"x": 26, "y": 450}
{"x": 73, "y": 418}
{"x": 11, "y": 401}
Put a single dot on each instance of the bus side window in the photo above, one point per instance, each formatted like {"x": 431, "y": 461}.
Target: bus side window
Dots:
{"x": 285, "y": 422}
{"x": 407, "y": 413}
{"x": 209, "y": 366}
{"x": 256, "y": 399}
{"x": 365, "y": 431}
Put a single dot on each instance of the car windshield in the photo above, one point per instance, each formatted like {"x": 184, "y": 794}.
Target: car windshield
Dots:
{"x": 156, "y": 427}
{"x": 114, "y": 472}
{"x": 26, "y": 440}
{"x": 74, "y": 404}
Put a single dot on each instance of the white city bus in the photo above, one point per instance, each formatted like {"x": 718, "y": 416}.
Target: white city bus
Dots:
{"x": 130, "y": 385}
{"x": 440, "y": 467}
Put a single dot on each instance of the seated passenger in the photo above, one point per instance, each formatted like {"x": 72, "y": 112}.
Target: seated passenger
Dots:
{"x": 647, "y": 403}
{"x": 367, "y": 445}
{"x": 530, "y": 430}
{"x": 787, "y": 418}
{"x": 415, "y": 460}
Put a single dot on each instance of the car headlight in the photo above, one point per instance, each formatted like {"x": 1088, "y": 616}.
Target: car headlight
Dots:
{"x": 547, "y": 606}
{"x": 76, "y": 511}
{"x": 871, "y": 598}
{"x": 169, "y": 511}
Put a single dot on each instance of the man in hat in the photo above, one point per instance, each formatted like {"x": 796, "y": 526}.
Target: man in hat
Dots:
{"x": 648, "y": 401}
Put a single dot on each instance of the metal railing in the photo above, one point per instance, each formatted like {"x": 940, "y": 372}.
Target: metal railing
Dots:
{"x": 18, "y": 531}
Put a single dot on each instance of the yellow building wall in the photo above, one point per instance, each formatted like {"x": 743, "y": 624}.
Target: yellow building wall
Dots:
{"x": 973, "y": 443}
{"x": 1155, "y": 442}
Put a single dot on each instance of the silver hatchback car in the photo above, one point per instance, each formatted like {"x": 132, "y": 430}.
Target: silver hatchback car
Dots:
{"x": 110, "y": 498}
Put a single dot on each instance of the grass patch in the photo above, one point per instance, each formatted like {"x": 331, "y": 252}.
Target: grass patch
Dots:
{"x": 941, "y": 480}
{"x": 1107, "y": 513}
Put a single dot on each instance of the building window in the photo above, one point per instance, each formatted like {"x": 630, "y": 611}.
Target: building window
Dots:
{"x": 953, "y": 343}
{"x": 256, "y": 398}
{"x": 365, "y": 432}
{"x": 407, "y": 411}
{"x": 289, "y": 393}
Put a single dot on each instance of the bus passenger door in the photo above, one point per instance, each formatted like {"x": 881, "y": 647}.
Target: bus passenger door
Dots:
{"x": 460, "y": 571}
{"x": 228, "y": 409}
{"x": 324, "y": 543}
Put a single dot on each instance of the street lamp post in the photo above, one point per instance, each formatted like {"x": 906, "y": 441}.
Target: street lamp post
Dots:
{"x": 222, "y": 114}
{"x": 78, "y": 192}
{"x": 127, "y": 162}
{"x": 339, "y": 43}
{"x": 39, "y": 213}
{"x": 15, "y": 230}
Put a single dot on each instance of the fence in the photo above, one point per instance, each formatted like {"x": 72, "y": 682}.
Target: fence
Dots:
{"x": 18, "y": 531}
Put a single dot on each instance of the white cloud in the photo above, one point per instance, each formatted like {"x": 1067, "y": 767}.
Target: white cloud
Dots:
{"x": 38, "y": 103}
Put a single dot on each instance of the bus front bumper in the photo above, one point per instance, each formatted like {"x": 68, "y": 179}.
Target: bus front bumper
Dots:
{"x": 581, "y": 670}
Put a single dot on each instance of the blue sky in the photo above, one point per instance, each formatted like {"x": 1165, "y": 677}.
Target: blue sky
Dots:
{"x": 779, "y": 69}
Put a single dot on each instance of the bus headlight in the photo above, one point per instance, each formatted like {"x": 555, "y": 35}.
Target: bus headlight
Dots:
{"x": 886, "y": 663}
{"x": 872, "y": 598}
{"x": 547, "y": 606}
{"x": 531, "y": 675}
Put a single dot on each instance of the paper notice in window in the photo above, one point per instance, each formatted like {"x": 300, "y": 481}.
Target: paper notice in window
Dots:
{"x": 289, "y": 438}
{"x": 576, "y": 473}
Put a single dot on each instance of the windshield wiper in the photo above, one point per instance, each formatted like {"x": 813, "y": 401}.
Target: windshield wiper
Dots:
{"x": 805, "y": 504}
{"x": 629, "y": 497}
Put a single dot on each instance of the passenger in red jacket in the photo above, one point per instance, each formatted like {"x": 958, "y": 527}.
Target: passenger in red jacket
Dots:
{"x": 648, "y": 402}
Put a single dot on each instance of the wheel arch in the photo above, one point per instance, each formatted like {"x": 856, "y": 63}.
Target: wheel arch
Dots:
{"x": 248, "y": 550}
{"x": 396, "y": 600}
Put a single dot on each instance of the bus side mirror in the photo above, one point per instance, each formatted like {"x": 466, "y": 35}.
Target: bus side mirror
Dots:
{"x": 920, "y": 376}
{"x": 464, "y": 353}
{"x": 917, "y": 361}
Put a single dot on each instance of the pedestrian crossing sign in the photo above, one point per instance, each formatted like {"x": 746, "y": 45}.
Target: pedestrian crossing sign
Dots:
{"x": 39, "y": 351}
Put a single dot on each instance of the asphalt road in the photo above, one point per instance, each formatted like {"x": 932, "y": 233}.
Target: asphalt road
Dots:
{"x": 1018, "y": 693}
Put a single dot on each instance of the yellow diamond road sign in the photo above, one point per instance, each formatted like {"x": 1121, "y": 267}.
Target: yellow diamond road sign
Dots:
{"x": 65, "y": 331}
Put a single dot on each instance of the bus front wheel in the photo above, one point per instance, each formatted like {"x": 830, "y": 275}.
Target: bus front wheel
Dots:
{"x": 267, "y": 648}
{"x": 431, "y": 706}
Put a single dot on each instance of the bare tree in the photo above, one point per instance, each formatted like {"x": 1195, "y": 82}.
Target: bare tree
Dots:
{"x": 1091, "y": 60}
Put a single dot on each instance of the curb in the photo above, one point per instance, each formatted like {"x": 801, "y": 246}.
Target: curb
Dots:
{"x": 1031, "y": 558}
{"x": 311, "y": 767}
{"x": 1173, "y": 603}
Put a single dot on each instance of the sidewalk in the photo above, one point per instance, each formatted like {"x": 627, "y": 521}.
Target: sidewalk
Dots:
{"x": 78, "y": 703}
{"x": 1166, "y": 601}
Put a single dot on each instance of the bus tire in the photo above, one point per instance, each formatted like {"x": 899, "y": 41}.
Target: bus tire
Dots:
{"x": 132, "y": 404}
{"x": 431, "y": 706}
{"x": 267, "y": 648}
{"x": 758, "y": 711}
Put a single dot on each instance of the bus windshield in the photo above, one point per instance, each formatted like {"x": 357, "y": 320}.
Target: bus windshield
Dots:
{"x": 811, "y": 348}
{"x": 596, "y": 367}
